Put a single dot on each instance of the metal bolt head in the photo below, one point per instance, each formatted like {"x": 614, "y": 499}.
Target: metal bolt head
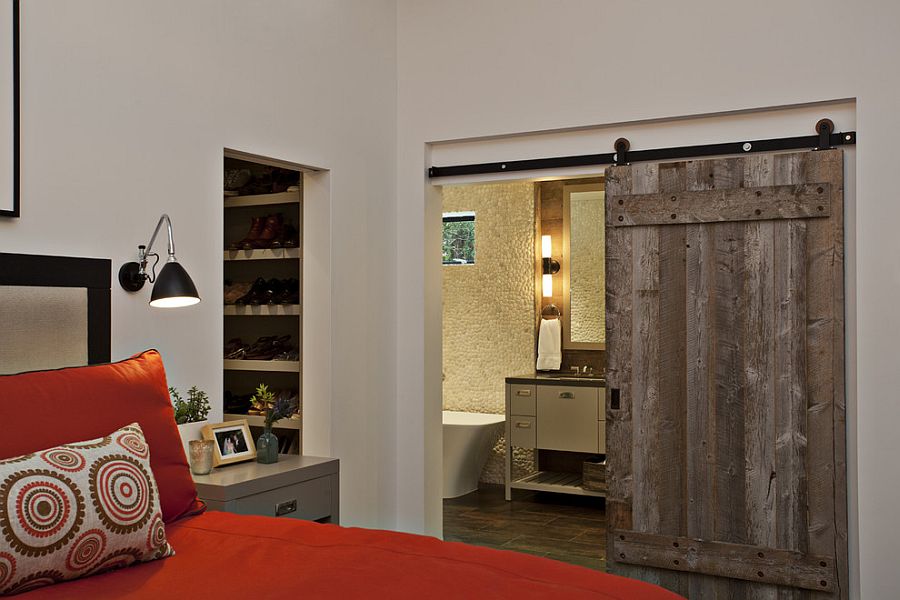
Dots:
{"x": 747, "y": 146}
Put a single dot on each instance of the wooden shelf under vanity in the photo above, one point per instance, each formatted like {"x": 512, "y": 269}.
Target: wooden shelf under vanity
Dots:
{"x": 550, "y": 481}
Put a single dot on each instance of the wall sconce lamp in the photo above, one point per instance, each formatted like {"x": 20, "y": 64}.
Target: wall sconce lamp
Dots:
{"x": 550, "y": 266}
{"x": 173, "y": 287}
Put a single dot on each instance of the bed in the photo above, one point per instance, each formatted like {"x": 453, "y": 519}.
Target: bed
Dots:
{"x": 216, "y": 553}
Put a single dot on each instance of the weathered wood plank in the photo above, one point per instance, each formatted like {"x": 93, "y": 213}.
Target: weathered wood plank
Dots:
{"x": 701, "y": 451}
{"x": 618, "y": 371}
{"x": 825, "y": 413}
{"x": 723, "y": 559}
{"x": 801, "y": 201}
{"x": 790, "y": 377}
{"x": 672, "y": 413}
{"x": 645, "y": 449}
{"x": 759, "y": 374}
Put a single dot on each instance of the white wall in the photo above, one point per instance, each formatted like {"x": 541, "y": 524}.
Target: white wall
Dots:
{"x": 482, "y": 68}
{"x": 126, "y": 108}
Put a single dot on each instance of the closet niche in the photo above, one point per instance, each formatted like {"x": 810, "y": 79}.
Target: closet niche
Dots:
{"x": 263, "y": 270}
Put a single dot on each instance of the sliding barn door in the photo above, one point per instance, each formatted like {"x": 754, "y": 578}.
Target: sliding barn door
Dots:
{"x": 725, "y": 398}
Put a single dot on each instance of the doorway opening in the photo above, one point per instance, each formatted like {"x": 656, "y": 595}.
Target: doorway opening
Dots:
{"x": 514, "y": 465}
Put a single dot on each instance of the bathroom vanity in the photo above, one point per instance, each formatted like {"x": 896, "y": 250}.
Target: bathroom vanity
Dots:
{"x": 558, "y": 416}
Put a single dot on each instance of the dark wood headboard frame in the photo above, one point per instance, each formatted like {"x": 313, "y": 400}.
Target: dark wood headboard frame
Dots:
{"x": 64, "y": 271}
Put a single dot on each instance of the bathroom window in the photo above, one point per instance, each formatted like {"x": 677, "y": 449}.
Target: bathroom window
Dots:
{"x": 459, "y": 238}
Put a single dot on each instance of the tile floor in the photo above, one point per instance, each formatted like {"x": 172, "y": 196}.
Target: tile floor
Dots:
{"x": 568, "y": 528}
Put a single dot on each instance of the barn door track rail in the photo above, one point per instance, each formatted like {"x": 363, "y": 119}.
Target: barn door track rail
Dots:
{"x": 824, "y": 139}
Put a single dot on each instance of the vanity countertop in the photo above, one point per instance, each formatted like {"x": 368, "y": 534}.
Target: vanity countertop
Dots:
{"x": 551, "y": 378}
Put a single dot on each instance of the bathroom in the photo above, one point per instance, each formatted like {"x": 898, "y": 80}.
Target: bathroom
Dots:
{"x": 521, "y": 257}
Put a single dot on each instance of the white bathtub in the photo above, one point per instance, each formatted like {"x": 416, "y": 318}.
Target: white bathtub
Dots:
{"x": 468, "y": 439}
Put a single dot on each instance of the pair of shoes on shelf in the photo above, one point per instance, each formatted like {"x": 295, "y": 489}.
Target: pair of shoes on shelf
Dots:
{"x": 273, "y": 291}
{"x": 265, "y": 348}
{"x": 265, "y": 180}
{"x": 270, "y": 231}
{"x": 234, "y": 291}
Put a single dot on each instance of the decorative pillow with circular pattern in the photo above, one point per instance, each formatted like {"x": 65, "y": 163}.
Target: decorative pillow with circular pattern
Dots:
{"x": 78, "y": 509}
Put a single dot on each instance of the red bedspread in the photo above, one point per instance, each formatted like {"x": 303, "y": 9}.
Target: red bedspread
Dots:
{"x": 220, "y": 555}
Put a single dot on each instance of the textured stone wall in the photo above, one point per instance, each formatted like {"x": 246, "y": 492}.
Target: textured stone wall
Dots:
{"x": 586, "y": 267}
{"x": 488, "y": 311}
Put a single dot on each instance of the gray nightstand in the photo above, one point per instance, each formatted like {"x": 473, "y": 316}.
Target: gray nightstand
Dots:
{"x": 299, "y": 487}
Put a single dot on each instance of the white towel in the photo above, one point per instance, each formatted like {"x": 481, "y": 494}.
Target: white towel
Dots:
{"x": 549, "y": 345}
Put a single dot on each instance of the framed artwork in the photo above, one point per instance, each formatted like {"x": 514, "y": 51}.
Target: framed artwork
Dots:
{"x": 234, "y": 443}
{"x": 9, "y": 108}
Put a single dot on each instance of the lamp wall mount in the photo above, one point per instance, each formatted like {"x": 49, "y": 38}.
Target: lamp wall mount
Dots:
{"x": 550, "y": 266}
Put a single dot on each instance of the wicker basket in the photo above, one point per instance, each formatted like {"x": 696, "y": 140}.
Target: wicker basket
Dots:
{"x": 593, "y": 475}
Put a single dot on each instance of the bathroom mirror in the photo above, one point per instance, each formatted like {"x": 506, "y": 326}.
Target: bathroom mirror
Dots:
{"x": 584, "y": 323}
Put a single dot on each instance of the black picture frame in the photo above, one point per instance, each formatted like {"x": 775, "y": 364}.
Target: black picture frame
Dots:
{"x": 94, "y": 274}
{"x": 16, "y": 167}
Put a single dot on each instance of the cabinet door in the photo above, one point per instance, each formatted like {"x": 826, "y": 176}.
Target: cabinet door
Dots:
{"x": 567, "y": 418}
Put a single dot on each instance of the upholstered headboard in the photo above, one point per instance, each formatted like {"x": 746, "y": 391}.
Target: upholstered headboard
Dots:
{"x": 54, "y": 312}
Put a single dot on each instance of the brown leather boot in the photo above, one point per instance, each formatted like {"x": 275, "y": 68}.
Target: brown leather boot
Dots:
{"x": 256, "y": 227}
{"x": 271, "y": 231}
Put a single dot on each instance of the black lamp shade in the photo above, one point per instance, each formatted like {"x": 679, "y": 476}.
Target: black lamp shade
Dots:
{"x": 173, "y": 288}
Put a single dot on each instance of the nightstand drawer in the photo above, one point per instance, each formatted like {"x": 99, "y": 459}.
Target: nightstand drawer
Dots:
{"x": 309, "y": 500}
{"x": 522, "y": 432}
{"x": 522, "y": 399}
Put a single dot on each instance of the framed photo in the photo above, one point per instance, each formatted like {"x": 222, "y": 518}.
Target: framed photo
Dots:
{"x": 234, "y": 443}
{"x": 9, "y": 108}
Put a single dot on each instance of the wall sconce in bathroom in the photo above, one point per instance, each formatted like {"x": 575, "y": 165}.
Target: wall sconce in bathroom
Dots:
{"x": 550, "y": 266}
{"x": 173, "y": 287}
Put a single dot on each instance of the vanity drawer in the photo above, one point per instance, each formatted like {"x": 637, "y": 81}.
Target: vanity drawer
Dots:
{"x": 522, "y": 399}
{"x": 522, "y": 431}
{"x": 568, "y": 418}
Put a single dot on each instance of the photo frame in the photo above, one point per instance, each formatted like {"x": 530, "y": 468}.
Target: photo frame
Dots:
{"x": 9, "y": 110}
{"x": 233, "y": 442}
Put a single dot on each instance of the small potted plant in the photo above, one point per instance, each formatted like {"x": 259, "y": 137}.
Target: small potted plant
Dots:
{"x": 190, "y": 414}
{"x": 276, "y": 407}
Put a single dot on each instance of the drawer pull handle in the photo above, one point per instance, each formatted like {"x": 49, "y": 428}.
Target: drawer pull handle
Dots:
{"x": 566, "y": 395}
{"x": 285, "y": 508}
{"x": 523, "y": 392}
{"x": 523, "y": 424}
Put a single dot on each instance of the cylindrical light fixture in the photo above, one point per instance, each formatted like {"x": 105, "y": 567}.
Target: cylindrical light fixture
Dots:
{"x": 549, "y": 266}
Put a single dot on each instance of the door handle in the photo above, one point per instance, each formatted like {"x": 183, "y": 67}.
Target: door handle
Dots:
{"x": 523, "y": 392}
{"x": 615, "y": 402}
{"x": 523, "y": 424}
{"x": 566, "y": 395}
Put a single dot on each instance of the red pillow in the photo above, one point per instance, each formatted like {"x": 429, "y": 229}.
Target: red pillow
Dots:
{"x": 43, "y": 409}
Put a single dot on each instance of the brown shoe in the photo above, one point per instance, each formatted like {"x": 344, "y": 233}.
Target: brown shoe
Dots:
{"x": 271, "y": 231}
{"x": 256, "y": 228}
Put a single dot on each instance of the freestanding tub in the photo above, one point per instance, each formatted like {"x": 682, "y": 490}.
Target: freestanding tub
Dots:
{"x": 468, "y": 439}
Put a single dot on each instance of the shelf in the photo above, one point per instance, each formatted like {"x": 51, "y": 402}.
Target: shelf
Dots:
{"x": 262, "y": 199}
{"x": 271, "y": 366}
{"x": 260, "y": 421}
{"x": 550, "y": 481}
{"x": 263, "y": 310}
{"x": 262, "y": 254}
